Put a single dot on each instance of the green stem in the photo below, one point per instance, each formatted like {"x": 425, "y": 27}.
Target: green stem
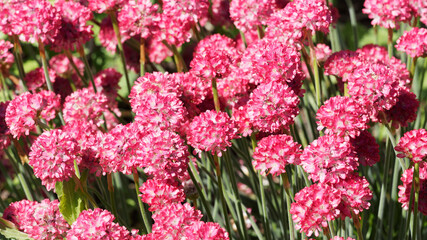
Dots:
{"x": 74, "y": 66}
{"x": 260, "y": 31}
{"x": 353, "y": 22}
{"x": 142, "y": 59}
{"x": 215, "y": 95}
{"x": 5, "y": 89}
{"x": 120, "y": 47}
{"x": 87, "y": 67}
{"x": 147, "y": 225}
{"x": 201, "y": 192}
{"x": 357, "y": 225}
{"x": 19, "y": 171}
{"x": 19, "y": 62}
{"x": 315, "y": 67}
{"x": 221, "y": 193}
{"x": 390, "y": 42}
{"x": 111, "y": 191}
{"x": 288, "y": 195}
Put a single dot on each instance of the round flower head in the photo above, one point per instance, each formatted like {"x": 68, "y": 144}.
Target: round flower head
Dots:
{"x": 413, "y": 145}
{"x": 329, "y": 159}
{"x": 85, "y": 105}
{"x": 157, "y": 51}
{"x": 413, "y": 42}
{"x": 405, "y": 189}
{"x": 375, "y": 86}
{"x": 322, "y": 52}
{"x": 62, "y": 66}
{"x": 37, "y": 19}
{"x": 4, "y": 129}
{"x": 272, "y": 107}
{"x": 107, "y": 83}
{"x": 367, "y": 148}
{"x": 355, "y": 195}
{"x": 6, "y": 58}
{"x": 421, "y": 7}
{"x": 274, "y": 152}
{"x": 96, "y": 224}
{"x": 36, "y": 78}
{"x": 242, "y": 120}
{"x": 220, "y": 12}
{"x": 24, "y": 111}
{"x": 388, "y": 13}
{"x": 39, "y": 220}
{"x": 314, "y": 206}
{"x": 74, "y": 31}
{"x": 52, "y": 157}
{"x": 247, "y": 15}
{"x": 267, "y": 61}
{"x": 213, "y": 57}
{"x": 206, "y": 231}
{"x": 159, "y": 193}
{"x": 107, "y": 36}
{"x": 152, "y": 83}
{"x": 137, "y": 17}
{"x": 292, "y": 23}
{"x": 342, "y": 64}
{"x": 342, "y": 116}
{"x": 164, "y": 154}
{"x": 101, "y": 6}
{"x": 191, "y": 88}
{"x": 405, "y": 109}
{"x": 211, "y": 131}
{"x": 234, "y": 90}
{"x": 172, "y": 220}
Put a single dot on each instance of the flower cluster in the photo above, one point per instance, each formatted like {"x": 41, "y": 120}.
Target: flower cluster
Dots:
{"x": 413, "y": 42}
{"x": 413, "y": 145}
{"x": 388, "y": 13}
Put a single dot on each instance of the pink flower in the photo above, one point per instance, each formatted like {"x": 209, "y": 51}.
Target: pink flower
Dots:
{"x": 355, "y": 195}
{"x": 272, "y": 107}
{"x": 24, "y": 111}
{"x": 96, "y": 224}
{"x": 107, "y": 36}
{"x": 322, "y": 52}
{"x": 405, "y": 109}
{"x": 157, "y": 51}
{"x": 314, "y": 206}
{"x": 52, "y": 157}
{"x": 191, "y": 88}
{"x": 4, "y": 129}
{"x": 39, "y": 220}
{"x": 206, "y": 231}
{"x": 329, "y": 159}
{"x": 274, "y": 152}
{"x": 421, "y": 7}
{"x": 388, "y": 13}
{"x": 247, "y": 15}
{"x": 74, "y": 31}
{"x": 342, "y": 116}
{"x": 85, "y": 105}
{"x": 63, "y": 68}
{"x": 220, "y": 12}
{"x": 107, "y": 83}
{"x": 405, "y": 189}
{"x": 159, "y": 193}
{"x": 413, "y": 145}
{"x": 6, "y": 58}
{"x": 101, "y": 6}
{"x": 342, "y": 64}
{"x": 35, "y": 79}
{"x": 213, "y": 57}
{"x": 367, "y": 148}
{"x": 137, "y": 17}
{"x": 211, "y": 131}
{"x": 341, "y": 238}
{"x": 413, "y": 42}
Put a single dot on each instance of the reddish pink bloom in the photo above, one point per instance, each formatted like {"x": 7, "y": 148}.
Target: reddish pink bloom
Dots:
{"x": 342, "y": 116}
{"x": 107, "y": 83}
{"x": 6, "y": 58}
{"x": 342, "y": 64}
{"x": 405, "y": 109}
{"x": 413, "y": 145}
{"x": 413, "y": 42}
{"x": 159, "y": 193}
{"x": 274, "y": 152}
{"x": 266, "y": 61}
{"x": 96, "y": 224}
{"x": 4, "y": 129}
{"x": 248, "y": 15}
{"x": 220, "y": 12}
{"x": 388, "y": 13}
{"x": 329, "y": 159}
{"x": 35, "y": 79}
{"x": 157, "y": 51}
{"x": 376, "y": 86}
{"x": 172, "y": 220}
{"x": 211, "y": 131}
{"x": 322, "y": 52}
{"x": 405, "y": 189}
{"x": 234, "y": 90}
{"x": 73, "y": 31}
{"x": 355, "y": 195}
{"x": 39, "y": 220}
{"x": 52, "y": 157}
{"x": 63, "y": 68}
{"x": 206, "y": 231}
{"x": 421, "y": 7}
{"x": 85, "y": 105}
{"x": 101, "y": 6}
{"x": 137, "y": 17}
{"x": 314, "y": 206}
{"x": 242, "y": 120}
{"x": 272, "y": 107}
{"x": 24, "y": 111}
{"x": 152, "y": 83}
{"x": 292, "y": 23}
{"x": 367, "y": 148}
{"x": 213, "y": 57}
{"x": 107, "y": 36}
{"x": 191, "y": 88}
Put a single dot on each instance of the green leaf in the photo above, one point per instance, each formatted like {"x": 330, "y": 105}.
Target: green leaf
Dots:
{"x": 6, "y": 232}
{"x": 72, "y": 201}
